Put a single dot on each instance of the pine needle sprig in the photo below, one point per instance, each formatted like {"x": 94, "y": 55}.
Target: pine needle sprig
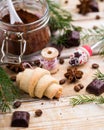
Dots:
{"x": 99, "y": 75}
{"x": 59, "y": 18}
{"x": 4, "y": 105}
{"x": 83, "y": 99}
{"x": 94, "y": 34}
{"x": 8, "y": 91}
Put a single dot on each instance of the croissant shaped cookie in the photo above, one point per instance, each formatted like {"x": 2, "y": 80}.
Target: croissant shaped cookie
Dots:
{"x": 38, "y": 82}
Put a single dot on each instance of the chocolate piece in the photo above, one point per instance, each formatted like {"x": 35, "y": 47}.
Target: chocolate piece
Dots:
{"x": 70, "y": 39}
{"x": 94, "y": 6}
{"x": 20, "y": 119}
{"x": 96, "y": 87}
{"x": 74, "y": 38}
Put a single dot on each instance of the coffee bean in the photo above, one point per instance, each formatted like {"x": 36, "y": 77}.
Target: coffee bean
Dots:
{"x": 77, "y": 88}
{"x": 16, "y": 104}
{"x": 61, "y": 61}
{"x": 38, "y": 112}
{"x": 95, "y": 66}
{"x": 62, "y": 81}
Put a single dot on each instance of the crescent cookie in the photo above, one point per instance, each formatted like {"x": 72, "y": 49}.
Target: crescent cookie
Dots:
{"x": 54, "y": 90}
{"x": 37, "y": 74}
{"x": 43, "y": 84}
{"x": 26, "y": 77}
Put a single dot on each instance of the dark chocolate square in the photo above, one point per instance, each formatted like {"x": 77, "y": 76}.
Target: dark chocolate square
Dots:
{"x": 96, "y": 87}
{"x": 94, "y": 6}
{"x": 20, "y": 119}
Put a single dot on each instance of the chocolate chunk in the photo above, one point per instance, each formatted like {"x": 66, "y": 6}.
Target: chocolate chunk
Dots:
{"x": 94, "y": 6}
{"x": 74, "y": 39}
{"x": 96, "y": 87}
{"x": 20, "y": 119}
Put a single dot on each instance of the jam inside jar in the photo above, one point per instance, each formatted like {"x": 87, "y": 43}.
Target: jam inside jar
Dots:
{"x": 34, "y": 31}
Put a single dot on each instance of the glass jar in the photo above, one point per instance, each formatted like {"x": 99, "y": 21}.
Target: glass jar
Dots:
{"x": 25, "y": 39}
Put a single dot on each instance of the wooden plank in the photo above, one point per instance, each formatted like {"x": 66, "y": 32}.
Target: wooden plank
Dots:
{"x": 59, "y": 114}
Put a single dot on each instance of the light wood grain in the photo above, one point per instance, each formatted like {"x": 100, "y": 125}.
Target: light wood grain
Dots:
{"x": 59, "y": 114}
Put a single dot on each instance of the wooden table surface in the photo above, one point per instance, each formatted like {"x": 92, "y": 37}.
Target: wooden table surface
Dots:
{"x": 59, "y": 114}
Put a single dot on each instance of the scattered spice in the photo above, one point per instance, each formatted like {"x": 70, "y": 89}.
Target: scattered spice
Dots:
{"x": 77, "y": 88}
{"x": 19, "y": 67}
{"x": 38, "y": 112}
{"x": 16, "y": 104}
{"x": 87, "y": 6}
{"x": 67, "y": 75}
{"x": 13, "y": 77}
{"x": 95, "y": 66}
{"x": 15, "y": 67}
{"x": 37, "y": 62}
{"x": 78, "y": 74}
{"x": 95, "y": 27}
{"x": 97, "y": 17}
{"x": 62, "y": 81}
{"x": 61, "y": 61}
{"x": 73, "y": 74}
{"x": 81, "y": 86}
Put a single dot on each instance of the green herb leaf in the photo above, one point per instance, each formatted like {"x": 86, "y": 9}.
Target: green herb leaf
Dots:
{"x": 83, "y": 99}
{"x": 8, "y": 91}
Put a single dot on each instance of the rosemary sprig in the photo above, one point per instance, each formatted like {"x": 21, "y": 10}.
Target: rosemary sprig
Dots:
{"x": 99, "y": 75}
{"x": 82, "y": 99}
{"x": 59, "y": 18}
{"x": 61, "y": 21}
{"x": 8, "y": 91}
{"x": 94, "y": 34}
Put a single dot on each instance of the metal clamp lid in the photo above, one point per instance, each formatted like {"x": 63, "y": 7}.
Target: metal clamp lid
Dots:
{"x": 10, "y": 58}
